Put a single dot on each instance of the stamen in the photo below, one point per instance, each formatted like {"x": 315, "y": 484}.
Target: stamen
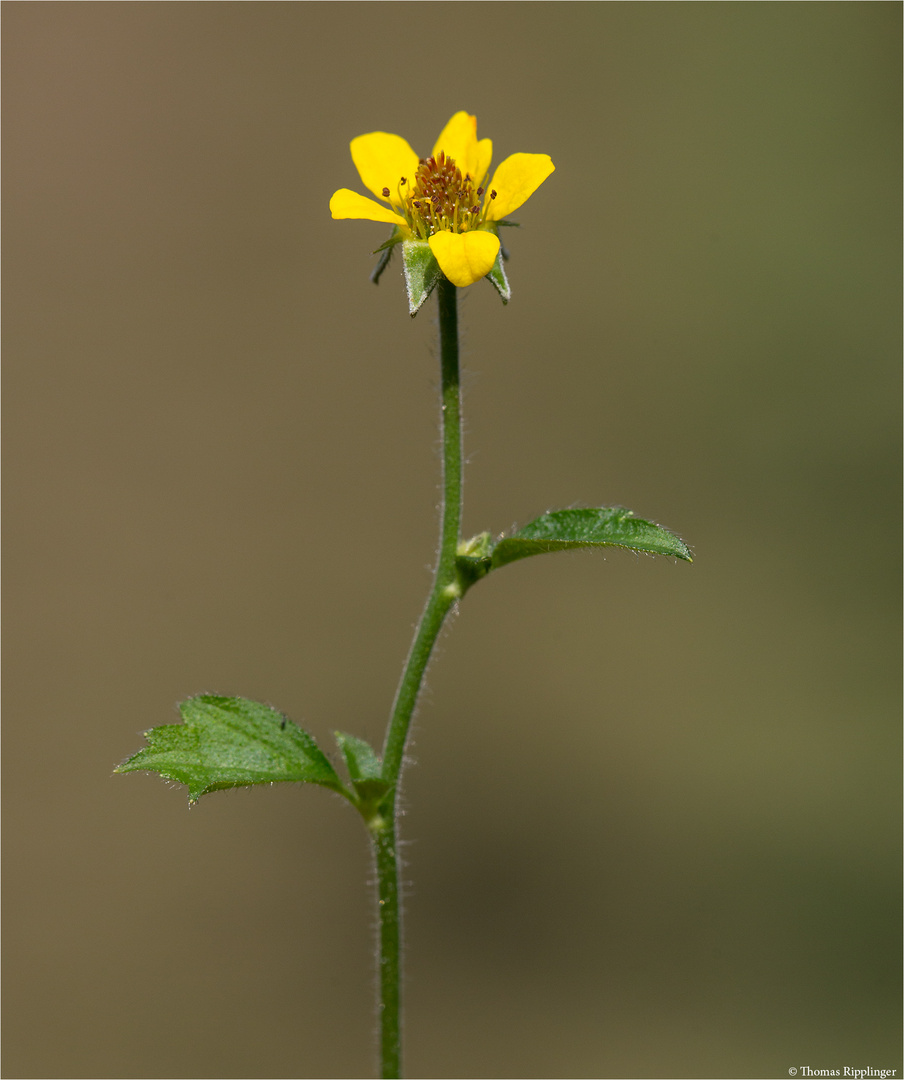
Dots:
{"x": 442, "y": 198}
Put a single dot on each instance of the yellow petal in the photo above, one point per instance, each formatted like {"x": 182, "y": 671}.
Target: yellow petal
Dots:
{"x": 516, "y": 179}
{"x": 484, "y": 157}
{"x": 465, "y": 257}
{"x": 458, "y": 140}
{"x": 349, "y": 204}
{"x": 382, "y": 160}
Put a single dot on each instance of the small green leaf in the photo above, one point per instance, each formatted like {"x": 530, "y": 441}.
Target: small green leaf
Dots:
{"x": 563, "y": 530}
{"x": 422, "y": 273}
{"x": 365, "y": 770}
{"x": 229, "y": 742}
{"x": 360, "y": 757}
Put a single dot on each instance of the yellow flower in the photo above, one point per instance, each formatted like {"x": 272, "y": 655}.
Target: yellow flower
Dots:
{"x": 441, "y": 199}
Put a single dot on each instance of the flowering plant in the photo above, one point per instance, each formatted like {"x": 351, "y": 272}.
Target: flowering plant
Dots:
{"x": 444, "y": 217}
{"x": 447, "y": 223}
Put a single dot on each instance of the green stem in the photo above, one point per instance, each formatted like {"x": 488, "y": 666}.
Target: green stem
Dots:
{"x": 383, "y": 835}
{"x": 444, "y": 594}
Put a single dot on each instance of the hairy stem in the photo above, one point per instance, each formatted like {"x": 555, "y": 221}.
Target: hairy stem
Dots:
{"x": 442, "y": 597}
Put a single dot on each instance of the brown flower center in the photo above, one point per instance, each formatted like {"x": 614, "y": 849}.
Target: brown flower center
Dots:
{"x": 439, "y": 198}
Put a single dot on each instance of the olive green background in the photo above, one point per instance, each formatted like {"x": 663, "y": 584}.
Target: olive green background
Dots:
{"x": 652, "y": 829}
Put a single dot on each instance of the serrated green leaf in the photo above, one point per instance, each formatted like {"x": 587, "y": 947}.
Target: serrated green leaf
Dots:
{"x": 422, "y": 273}
{"x": 227, "y": 742}
{"x": 563, "y": 530}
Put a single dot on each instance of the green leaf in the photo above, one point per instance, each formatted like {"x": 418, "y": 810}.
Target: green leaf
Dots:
{"x": 422, "y": 273}
{"x": 229, "y": 742}
{"x": 365, "y": 770}
{"x": 360, "y": 757}
{"x": 564, "y": 530}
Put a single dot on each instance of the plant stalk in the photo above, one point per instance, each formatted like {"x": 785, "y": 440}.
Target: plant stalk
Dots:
{"x": 443, "y": 596}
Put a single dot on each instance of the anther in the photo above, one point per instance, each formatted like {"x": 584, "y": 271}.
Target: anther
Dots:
{"x": 493, "y": 194}
{"x": 386, "y": 193}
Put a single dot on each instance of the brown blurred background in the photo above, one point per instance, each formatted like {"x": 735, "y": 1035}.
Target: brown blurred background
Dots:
{"x": 653, "y": 825}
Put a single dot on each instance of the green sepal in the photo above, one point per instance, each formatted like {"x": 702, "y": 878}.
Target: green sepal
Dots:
{"x": 385, "y": 252}
{"x": 503, "y": 250}
{"x": 496, "y": 277}
{"x": 365, "y": 770}
{"x": 564, "y": 530}
{"x": 395, "y": 237}
{"x": 227, "y": 742}
{"x": 422, "y": 273}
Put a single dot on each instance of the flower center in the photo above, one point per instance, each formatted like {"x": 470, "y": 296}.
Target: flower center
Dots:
{"x": 439, "y": 199}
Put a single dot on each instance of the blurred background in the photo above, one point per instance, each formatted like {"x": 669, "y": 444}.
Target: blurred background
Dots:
{"x": 653, "y": 825}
